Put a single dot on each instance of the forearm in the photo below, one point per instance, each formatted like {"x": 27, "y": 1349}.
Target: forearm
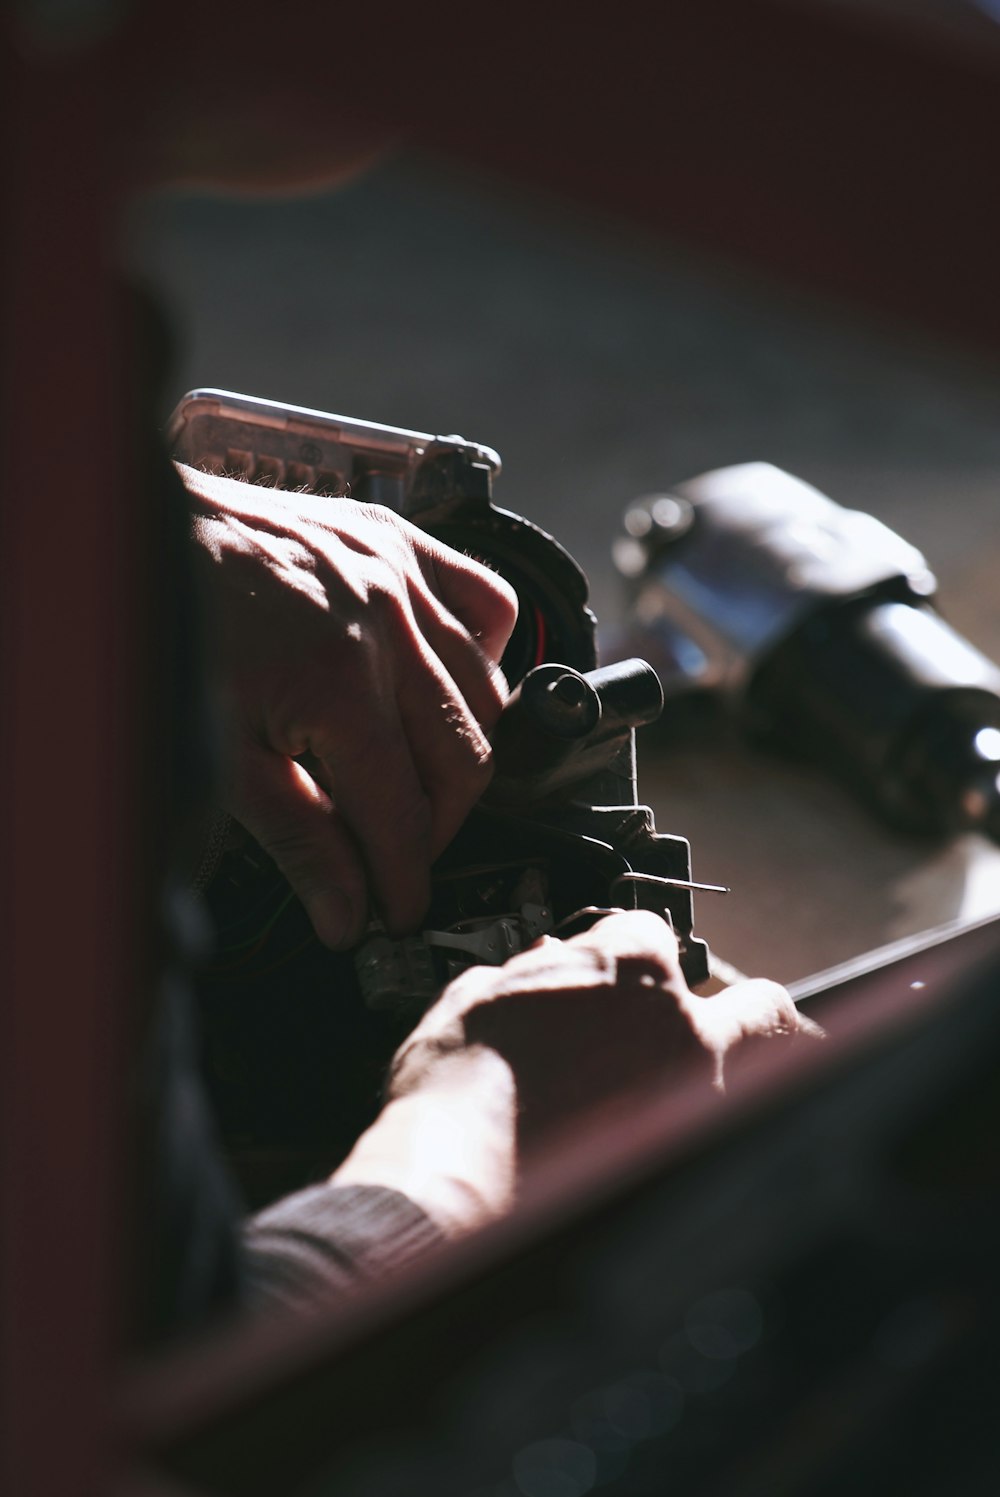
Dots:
{"x": 449, "y": 1146}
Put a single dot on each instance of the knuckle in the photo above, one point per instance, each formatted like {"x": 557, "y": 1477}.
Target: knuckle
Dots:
{"x": 468, "y": 740}
{"x": 775, "y": 1002}
{"x": 387, "y": 601}
{"x": 490, "y": 580}
{"x": 646, "y": 935}
{"x": 480, "y": 770}
{"x": 497, "y": 603}
{"x": 504, "y": 601}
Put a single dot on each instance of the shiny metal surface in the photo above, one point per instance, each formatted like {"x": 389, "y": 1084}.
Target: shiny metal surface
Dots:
{"x": 760, "y": 550}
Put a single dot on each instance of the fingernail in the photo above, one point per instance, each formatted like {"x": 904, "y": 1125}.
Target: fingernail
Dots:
{"x": 333, "y": 918}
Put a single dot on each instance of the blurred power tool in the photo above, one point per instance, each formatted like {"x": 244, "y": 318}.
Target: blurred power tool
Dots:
{"x": 816, "y": 624}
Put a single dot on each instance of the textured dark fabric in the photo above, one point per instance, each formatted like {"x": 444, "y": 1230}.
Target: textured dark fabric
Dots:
{"x": 324, "y": 1241}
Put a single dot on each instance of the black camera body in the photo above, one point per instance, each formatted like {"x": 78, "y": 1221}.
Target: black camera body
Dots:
{"x": 297, "y": 1038}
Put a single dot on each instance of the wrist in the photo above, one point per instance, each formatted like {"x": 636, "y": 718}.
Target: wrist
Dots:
{"x": 448, "y": 1142}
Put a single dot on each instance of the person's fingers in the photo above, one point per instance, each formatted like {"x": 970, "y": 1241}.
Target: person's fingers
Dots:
{"x": 297, "y": 825}
{"x": 628, "y": 951}
{"x": 324, "y": 654}
{"x": 478, "y": 597}
{"x": 370, "y": 767}
{"x": 450, "y": 750}
{"x": 637, "y": 936}
{"x": 735, "y": 1023}
{"x": 479, "y": 680}
{"x": 808, "y": 1027}
{"x": 760, "y": 1008}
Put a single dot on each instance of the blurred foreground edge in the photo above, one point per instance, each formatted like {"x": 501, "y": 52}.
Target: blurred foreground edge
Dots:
{"x": 740, "y": 1298}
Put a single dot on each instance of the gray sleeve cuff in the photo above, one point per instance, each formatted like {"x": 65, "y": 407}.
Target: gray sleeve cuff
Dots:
{"x": 323, "y": 1242}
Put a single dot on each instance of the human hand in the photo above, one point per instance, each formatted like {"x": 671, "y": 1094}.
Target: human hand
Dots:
{"x": 580, "y": 1020}
{"x": 346, "y": 634}
{"x": 509, "y": 1056}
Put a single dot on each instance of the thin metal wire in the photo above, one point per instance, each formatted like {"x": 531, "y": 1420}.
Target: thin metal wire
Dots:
{"x": 668, "y": 883}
